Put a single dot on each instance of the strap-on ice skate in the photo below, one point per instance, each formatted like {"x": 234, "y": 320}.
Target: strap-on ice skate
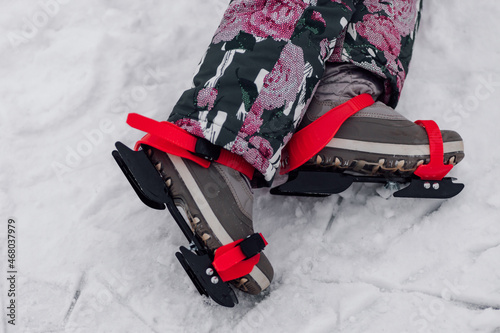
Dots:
{"x": 428, "y": 181}
{"x": 209, "y": 273}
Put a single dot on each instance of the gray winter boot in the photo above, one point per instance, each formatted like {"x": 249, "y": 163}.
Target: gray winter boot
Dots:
{"x": 377, "y": 139}
{"x": 218, "y": 202}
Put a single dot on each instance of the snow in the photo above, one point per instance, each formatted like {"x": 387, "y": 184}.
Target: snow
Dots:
{"x": 356, "y": 262}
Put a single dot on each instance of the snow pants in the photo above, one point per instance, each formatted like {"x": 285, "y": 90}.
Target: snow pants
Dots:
{"x": 267, "y": 57}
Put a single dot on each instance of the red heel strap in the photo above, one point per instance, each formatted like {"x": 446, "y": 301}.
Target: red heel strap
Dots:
{"x": 436, "y": 169}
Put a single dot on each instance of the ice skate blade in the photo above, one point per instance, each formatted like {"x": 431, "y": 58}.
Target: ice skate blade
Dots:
{"x": 199, "y": 268}
{"x": 430, "y": 189}
{"x": 321, "y": 183}
{"x": 142, "y": 175}
{"x": 149, "y": 186}
{"x": 313, "y": 184}
{"x": 153, "y": 192}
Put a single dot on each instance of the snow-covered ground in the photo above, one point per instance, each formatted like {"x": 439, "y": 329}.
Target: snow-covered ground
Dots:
{"x": 70, "y": 71}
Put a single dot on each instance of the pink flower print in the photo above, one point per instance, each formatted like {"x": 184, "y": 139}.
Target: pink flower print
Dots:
{"x": 271, "y": 18}
{"x": 405, "y": 14}
{"x": 263, "y": 146}
{"x": 238, "y": 12}
{"x": 277, "y": 19}
{"x": 374, "y": 6}
{"x": 342, "y": 3}
{"x": 251, "y": 155}
{"x": 190, "y": 125}
{"x": 239, "y": 146}
{"x": 402, "y": 12}
{"x": 380, "y": 31}
{"x": 253, "y": 120}
{"x": 316, "y": 16}
{"x": 254, "y": 157}
{"x": 282, "y": 84}
{"x": 280, "y": 87}
{"x": 206, "y": 97}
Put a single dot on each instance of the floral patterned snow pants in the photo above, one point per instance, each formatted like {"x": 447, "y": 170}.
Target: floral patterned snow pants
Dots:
{"x": 267, "y": 57}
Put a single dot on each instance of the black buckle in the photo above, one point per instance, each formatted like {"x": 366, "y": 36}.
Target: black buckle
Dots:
{"x": 252, "y": 245}
{"x": 206, "y": 150}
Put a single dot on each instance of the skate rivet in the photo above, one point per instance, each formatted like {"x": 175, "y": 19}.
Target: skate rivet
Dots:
{"x": 427, "y": 185}
{"x": 214, "y": 280}
{"x": 168, "y": 182}
{"x": 435, "y": 186}
{"x": 158, "y": 166}
{"x": 209, "y": 271}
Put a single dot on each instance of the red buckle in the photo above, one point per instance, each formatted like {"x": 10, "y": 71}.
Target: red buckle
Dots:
{"x": 436, "y": 169}
{"x": 176, "y": 141}
{"x": 238, "y": 258}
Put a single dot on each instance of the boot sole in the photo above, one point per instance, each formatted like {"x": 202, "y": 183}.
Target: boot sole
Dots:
{"x": 374, "y": 158}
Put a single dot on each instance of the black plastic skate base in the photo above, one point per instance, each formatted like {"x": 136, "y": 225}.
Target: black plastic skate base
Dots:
{"x": 142, "y": 175}
{"x": 321, "y": 184}
{"x": 152, "y": 191}
{"x": 199, "y": 268}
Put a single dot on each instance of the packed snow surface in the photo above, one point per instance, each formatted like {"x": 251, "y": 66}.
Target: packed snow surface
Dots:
{"x": 90, "y": 257}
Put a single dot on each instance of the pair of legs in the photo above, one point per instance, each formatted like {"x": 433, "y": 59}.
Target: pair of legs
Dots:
{"x": 276, "y": 66}
{"x": 266, "y": 60}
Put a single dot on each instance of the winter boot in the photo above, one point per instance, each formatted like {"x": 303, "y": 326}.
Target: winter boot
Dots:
{"x": 218, "y": 202}
{"x": 376, "y": 140}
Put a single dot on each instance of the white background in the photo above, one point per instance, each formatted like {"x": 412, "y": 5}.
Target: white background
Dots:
{"x": 70, "y": 71}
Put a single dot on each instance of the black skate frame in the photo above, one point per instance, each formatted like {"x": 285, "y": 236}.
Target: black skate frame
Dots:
{"x": 309, "y": 182}
{"x": 151, "y": 189}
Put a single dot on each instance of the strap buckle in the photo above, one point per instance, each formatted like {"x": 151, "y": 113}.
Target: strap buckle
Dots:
{"x": 207, "y": 150}
{"x": 238, "y": 258}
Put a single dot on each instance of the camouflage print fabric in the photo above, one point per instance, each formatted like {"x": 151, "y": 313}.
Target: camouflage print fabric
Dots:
{"x": 267, "y": 57}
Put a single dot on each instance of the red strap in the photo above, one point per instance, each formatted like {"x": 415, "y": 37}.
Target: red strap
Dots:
{"x": 176, "y": 141}
{"x": 311, "y": 139}
{"x": 163, "y": 130}
{"x": 436, "y": 169}
{"x": 230, "y": 262}
{"x": 168, "y": 147}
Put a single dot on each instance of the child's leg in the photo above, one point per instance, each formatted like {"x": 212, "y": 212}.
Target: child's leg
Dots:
{"x": 248, "y": 96}
{"x": 259, "y": 73}
{"x": 372, "y": 57}
{"x": 380, "y": 38}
